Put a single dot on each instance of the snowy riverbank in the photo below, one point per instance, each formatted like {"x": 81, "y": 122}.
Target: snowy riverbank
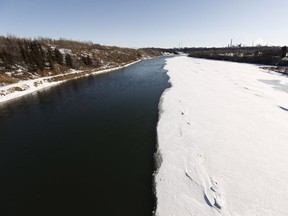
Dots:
{"x": 223, "y": 138}
{"x": 12, "y": 91}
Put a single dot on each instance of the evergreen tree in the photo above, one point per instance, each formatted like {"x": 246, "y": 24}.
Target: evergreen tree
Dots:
{"x": 50, "y": 59}
{"x": 58, "y": 56}
{"x": 33, "y": 55}
{"x": 38, "y": 55}
{"x": 84, "y": 60}
{"x": 87, "y": 60}
{"x": 6, "y": 59}
{"x": 69, "y": 61}
{"x": 283, "y": 51}
{"x": 22, "y": 51}
{"x": 26, "y": 55}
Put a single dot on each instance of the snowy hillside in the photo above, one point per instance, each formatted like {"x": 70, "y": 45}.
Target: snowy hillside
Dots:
{"x": 223, "y": 139}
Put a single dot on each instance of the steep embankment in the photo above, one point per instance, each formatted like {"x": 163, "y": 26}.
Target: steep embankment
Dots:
{"x": 223, "y": 140}
{"x": 28, "y": 65}
{"x": 25, "y": 87}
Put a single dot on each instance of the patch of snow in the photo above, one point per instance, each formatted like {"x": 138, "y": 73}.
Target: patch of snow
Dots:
{"x": 52, "y": 46}
{"x": 19, "y": 73}
{"x": 64, "y": 51}
{"x": 20, "y": 67}
{"x": 222, "y": 140}
{"x": 168, "y": 54}
{"x": 84, "y": 54}
{"x": 8, "y": 74}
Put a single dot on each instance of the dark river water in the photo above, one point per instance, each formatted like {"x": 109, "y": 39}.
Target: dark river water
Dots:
{"x": 84, "y": 147}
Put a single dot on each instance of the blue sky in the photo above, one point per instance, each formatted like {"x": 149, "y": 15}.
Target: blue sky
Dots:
{"x": 158, "y": 23}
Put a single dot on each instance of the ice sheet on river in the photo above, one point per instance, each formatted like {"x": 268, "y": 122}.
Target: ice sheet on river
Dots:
{"x": 223, "y": 138}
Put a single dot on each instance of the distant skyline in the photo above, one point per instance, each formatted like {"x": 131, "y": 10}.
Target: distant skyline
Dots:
{"x": 149, "y": 23}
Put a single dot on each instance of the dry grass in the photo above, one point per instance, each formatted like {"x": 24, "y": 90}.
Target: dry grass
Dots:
{"x": 66, "y": 77}
{"x": 4, "y": 79}
{"x": 38, "y": 83}
{"x": 13, "y": 89}
{"x": 22, "y": 76}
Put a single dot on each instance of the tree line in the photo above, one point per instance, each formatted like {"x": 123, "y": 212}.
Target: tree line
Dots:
{"x": 43, "y": 55}
{"x": 259, "y": 55}
{"x": 38, "y": 58}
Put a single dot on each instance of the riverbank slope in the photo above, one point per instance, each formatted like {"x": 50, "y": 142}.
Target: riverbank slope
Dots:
{"x": 27, "y": 65}
{"x": 24, "y": 87}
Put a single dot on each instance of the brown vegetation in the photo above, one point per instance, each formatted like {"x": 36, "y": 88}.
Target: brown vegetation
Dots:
{"x": 4, "y": 79}
{"x": 25, "y": 58}
{"x": 283, "y": 70}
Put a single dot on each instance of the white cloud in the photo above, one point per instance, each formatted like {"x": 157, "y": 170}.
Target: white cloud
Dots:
{"x": 261, "y": 42}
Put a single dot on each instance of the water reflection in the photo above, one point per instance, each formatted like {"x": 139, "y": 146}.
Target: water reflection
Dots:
{"x": 84, "y": 147}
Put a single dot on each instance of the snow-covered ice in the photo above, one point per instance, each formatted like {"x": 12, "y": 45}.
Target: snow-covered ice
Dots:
{"x": 223, "y": 140}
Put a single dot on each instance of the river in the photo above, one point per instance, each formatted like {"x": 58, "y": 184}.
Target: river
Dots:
{"x": 84, "y": 147}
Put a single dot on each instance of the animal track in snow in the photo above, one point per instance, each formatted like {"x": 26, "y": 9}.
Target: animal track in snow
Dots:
{"x": 283, "y": 108}
{"x": 183, "y": 113}
{"x": 199, "y": 176}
